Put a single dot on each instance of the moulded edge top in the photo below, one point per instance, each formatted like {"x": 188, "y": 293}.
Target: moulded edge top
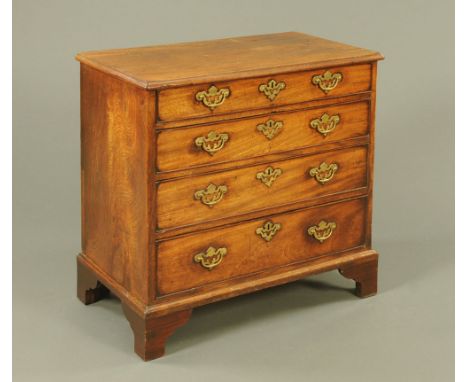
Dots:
{"x": 161, "y": 66}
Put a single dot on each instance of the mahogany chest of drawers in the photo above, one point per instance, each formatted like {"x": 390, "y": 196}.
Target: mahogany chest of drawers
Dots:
{"x": 214, "y": 169}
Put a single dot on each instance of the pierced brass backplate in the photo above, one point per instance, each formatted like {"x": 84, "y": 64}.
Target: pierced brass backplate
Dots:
{"x": 211, "y": 195}
{"x": 325, "y": 124}
{"x": 211, "y": 258}
{"x": 269, "y": 175}
{"x": 324, "y": 173}
{"x": 268, "y": 230}
{"x": 270, "y": 128}
{"x": 271, "y": 89}
{"x": 322, "y": 231}
{"x": 213, "y": 142}
{"x": 327, "y": 81}
{"x": 214, "y": 97}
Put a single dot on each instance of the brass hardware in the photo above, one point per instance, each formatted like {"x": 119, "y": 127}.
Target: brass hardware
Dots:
{"x": 269, "y": 175}
{"x": 325, "y": 124}
{"x": 213, "y": 142}
{"x": 322, "y": 231}
{"x": 270, "y": 128}
{"x": 211, "y": 195}
{"x": 328, "y": 81}
{"x": 214, "y": 97}
{"x": 271, "y": 89}
{"x": 211, "y": 258}
{"x": 268, "y": 230}
{"x": 324, "y": 173}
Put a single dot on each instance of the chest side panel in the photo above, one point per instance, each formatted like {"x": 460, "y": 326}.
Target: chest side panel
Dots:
{"x": 116, "y": 120}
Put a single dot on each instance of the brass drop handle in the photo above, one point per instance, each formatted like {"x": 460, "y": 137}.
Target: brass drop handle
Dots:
{"x": 322, "y": 231}
{"x": 213, "y": 142}
{"x": 268, "y": 230}
{"x": 324, "y": 173}
{"x": 211, "y": 258}
{"x": 325, "y": 124}
{"x": 213, "y": 97}
{"x": 327, "y": 81}
{"x": 269, "y": 175}
{"x": 211, "y": 195}
{"x": 271, "y": 89}
{"x": 270, "y": 128}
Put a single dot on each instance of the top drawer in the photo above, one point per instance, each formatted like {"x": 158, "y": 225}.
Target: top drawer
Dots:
{"x": 262, "y": 92}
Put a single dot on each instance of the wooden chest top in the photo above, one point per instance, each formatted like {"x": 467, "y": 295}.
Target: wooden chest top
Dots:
{"x": 155, "y": 67}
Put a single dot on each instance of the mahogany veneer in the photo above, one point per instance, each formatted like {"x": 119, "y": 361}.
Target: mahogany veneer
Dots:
{"x": 177, "y": 103}
{"x": 175, "y": 149}
{"x": 217, "y": 168}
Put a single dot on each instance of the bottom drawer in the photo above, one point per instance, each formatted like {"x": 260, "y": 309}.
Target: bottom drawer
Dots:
{"x": 211, "y": 256}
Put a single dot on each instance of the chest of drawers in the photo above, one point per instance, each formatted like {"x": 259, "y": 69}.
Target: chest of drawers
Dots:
{"x": 214, "y": 169}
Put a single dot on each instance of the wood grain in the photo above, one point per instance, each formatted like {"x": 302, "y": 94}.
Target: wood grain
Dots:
{"x": 364, "y": 273}
{"x": 176, "y": 149}
{"x": 264, "y": 159}
{"x": 238, "y": 57}
{"x": 89, "y": 288}
{"x": 245, "y": 193}
{"x": 180, "y": 103}
{"x": 116, "y": 136}
{"x": 151, "y": 332}
{"x": 249, "y": 253}
{"x": 252, "y": 283}
{"x": 371, "y": 154}
{"x": 168, "y": 233}
{"x": 248, "y": 113}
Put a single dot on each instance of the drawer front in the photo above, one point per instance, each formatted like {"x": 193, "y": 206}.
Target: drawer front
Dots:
{"x": 218, "y": 195}
{"x": 217, "y": 255}
{"x": 204, "y": 145}
{"x": 263, "y": 92}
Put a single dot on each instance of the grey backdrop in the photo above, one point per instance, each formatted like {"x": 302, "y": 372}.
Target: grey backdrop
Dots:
{"x": 310, "y": 330}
